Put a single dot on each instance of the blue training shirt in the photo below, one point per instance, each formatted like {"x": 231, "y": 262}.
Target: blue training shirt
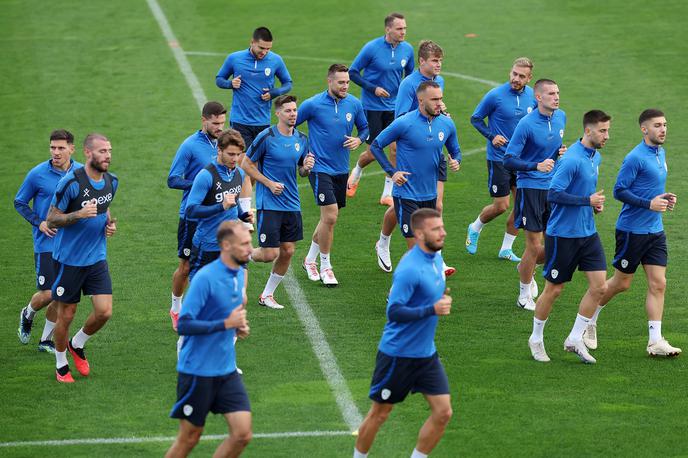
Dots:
{"x": 208, "y": 348}
{"x": 382, "y": 65}
{"x": 642, "y": 177}
{"x": 504, "y": 108}
{"x": 574, "y": 181}
{"x": 406, "y": 97}
{"x": 537, "y": 137}
{"x": 39, "y": 186}
{"x": 330, "y": 120}
{"x": 193, "y": 154}
{"x": 256, "y": 76}
{"x": 418, "y": 283}
{"x": 420, "y": 144}
{"x": 277, "y": 157}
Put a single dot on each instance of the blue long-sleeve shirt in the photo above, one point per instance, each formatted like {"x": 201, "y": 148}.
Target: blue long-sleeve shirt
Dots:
{"x": 574, "y": 181}
{"x": 256, "y": 76}
{"x": 406, "y": 97}
{"x": 641, "y": 178}
{"x": 330, "y": 120}
{"x": 383, "y": 66}
{"x": 504, "y": 108}
{"x": 418, "y": 283}
{"x": 537, "y": 137}
{"x": 420, "y": 145}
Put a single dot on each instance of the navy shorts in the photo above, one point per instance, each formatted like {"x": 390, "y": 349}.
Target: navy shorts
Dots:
{"x": 46, "y": 270}
{"x": 200, "y": 258}
{"x": 196, "y": 396}
{"x": 71, "y": 281}
{"x": 532, "y": 209}
{"x": 185, "y": 232}
{"x": 329, "y": 189}
{"x": 635, "y": 249}
{"x": 275, "y": 227}
{"x": 404, "y": 208}
{"x": 563, "y": 255}
{"x": 442, "y": 176}
{"x": 499, "y": 179}
{"x": 377, "y": 122}
{"x": 248, "y": 133}
{"x": 395, "y": 377}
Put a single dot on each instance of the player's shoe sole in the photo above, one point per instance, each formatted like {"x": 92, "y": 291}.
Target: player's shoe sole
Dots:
{"x": 80, "y": 360}
{"x": 579, "y": 348}
{"x": 269, "y": 302}
{"x": 67, "y": 378}
{"x": 328, "y": 279}
{"x": 662, "y": 348}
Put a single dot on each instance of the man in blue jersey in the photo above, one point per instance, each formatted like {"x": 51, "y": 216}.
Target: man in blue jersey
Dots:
{"x": 39, "y": 187}
{"x": 213, "y": 315}
{"x": 503, "y": 106}
{"x": 407, "y": 360}
{"x": 535, "y": 145}
{"x": 571, "y": 237}
{"x": 214, "y": 198}
{"x": 640, "y": 238}
{"x": 250, "y": 74}
{"x": 331, "y": 117}
{"x": 421, "y": 136}
{"x": 193, "y": 155}
{"x": 80, "y": 210}
{"x": 384, "y": 61}
{"x": 272, "y": 160}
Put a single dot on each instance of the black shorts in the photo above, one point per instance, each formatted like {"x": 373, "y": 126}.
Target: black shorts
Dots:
{"x": 377, "y": 122}
{"x": 200, "y": 258}
{"x": 185, "y": 232}
{"x": 46, "y": 270}
{"x": 635, "y": 249}
{"x": 275, "y": 227}
{"x": 499, "y": 179}
{"x": 442, "y": 176}
{"x": 196, "y": 396}
{"x": 248, "y": 133}
{"x": 71, "y": 281}
{"x": 532, "y": 209}
{"x": 563, "y": 255}
{"x": 404, "y": 208}
{"x": 395, "y": 377}
{"x": 329, "y": 189}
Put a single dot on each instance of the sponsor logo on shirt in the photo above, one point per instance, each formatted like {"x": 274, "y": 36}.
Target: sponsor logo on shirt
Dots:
{"x": 220, "y": 196}
{"x": 99, "y": 201}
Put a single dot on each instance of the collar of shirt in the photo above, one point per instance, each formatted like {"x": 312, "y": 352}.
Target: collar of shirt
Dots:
{"x": 650, "y": 148}
{"x": 590, "y": 151}
{"x": 226, "y": 267}
{"x": 59, "y": 171}
{"x": 516, "y": 92}
{"x": 425, "y": 254}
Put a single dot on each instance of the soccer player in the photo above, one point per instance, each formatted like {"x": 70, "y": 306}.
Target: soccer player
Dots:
{"x": 331, "y": 117}
{"x": 383, "y": 61}
{"x": 80, "y": 209}
{"x": 212, "y": 316}
{"x": 640, "y": 238}
{"x": 214, "y": 198}
{"x": 503, "y": 106}
{"x": 252, "y": 82}
{"x": 531, "y": 151}
{"x": 196, "y": 152}
{"x": 39, "y": 187}
{"x": 421, "y": 133}
{"x": 571, "y": 237}
{"x": 272, "y": 161}
{"x": 407, "y": 360}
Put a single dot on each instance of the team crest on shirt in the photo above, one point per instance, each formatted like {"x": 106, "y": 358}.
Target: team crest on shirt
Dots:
{"x": 348, "y": 117}
{"x": 187, "y": 251}
{"x": 263, "y": 237}
{"x": 554, "y": 273}
{"x": 321, "y": 196}
{"x": 218, "y": 185}
{"x": 385, "y": 394}
{"x": 267, "y": 71}
{"x": 441, "y": 136}
{"x": 529, "y": 109}
{"x": 297, "y": 146}
{"x": 188, "y": 409}
{"x": 403, "y": 62}
{"x": 60, "y": 291}
{"x": 561, "y": 133}
{"x": 41, "y": 280}
{"x": 405, "y": 228}
{"x": 624, "y": 263}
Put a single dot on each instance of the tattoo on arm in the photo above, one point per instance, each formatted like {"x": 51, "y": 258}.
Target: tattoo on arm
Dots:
{"x": 56, "y": 218}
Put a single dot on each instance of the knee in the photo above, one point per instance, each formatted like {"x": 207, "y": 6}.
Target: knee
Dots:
{"x": 380, "y": 417}
{"x": 599, "y": 291}
{"x": 657, "y": 285}
{"x": 104, "y": 314}
{"x": 242, "y": 437}
{"x": 501, "y": 206}
{"x": 329, "y": 220}
{"x": 554, "y": 290}
{"x": 443, "y": 416}
{"x": 66, "y": 313}
{"x": 287, "y": 251}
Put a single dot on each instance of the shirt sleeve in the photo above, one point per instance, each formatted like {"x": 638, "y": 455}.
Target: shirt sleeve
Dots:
{"x": 484, "y": 109}
{"x": 284, "y": 77}
{"x": 360, "y": 63}
{"x": 194, "y": 203}
{"x": 628, "y": 172}
{"x": 256, "y": 151}
{"x": 410, "y": 64}
{"x": 304, "y": 112}
{"x": 512, "y": 159}
{"x": 362, "y": 129}
{"x": 176, "y": 179}
{"x": 452, "y": 143}
{"x": 67, "y": 189}
{"x": 26, "y": 193}
{"x": 222, "y": 79}
{"x": 404, "y": 100}
{"x": 304, "y": 149}
{"x": 564, "y": 175}
{"x": 399, "y": 298}
{"x": 387, "y": 136}
{"x": 194, "y": 301}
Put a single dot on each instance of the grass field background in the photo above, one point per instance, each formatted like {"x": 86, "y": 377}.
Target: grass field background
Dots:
{"x": 104, "y": 66}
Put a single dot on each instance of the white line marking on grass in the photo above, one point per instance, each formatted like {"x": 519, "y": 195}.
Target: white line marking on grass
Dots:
{"x": 141, "y": 440}
{"x": 328, "y": 362}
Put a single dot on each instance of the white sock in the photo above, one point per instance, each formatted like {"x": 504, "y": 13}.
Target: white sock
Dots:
{"x": 477, "y": 225}
{"x": 325, "y": 261}
{"x": 508, "y": 241}
{"x": 358, "y": 454}
{"x": 60, "y": 359}
{"x": 356, "y": 173}
{"x": 384, "y": 240}
{"x": 29, "y": 312}
{"x": 387, "y": 190}
{"x": 593, "y": 320}
{"x": 80, "y": 339}
{"x": 538, "y": 329}
{"x": 245, "y": 203}
{"x": 579, "y": 327}
{"x": 313, "y": 253}
{"x": 417, "y": 454}
{"x": 524, "y": 289}
{"x": 176, "y": 303}
{"x": 48, "y": 330}
{"x": 272, "y": 284}
{"x": 655, "y": 328}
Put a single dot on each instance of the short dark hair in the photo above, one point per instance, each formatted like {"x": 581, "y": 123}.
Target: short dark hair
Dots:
{"x": 227, "y": 229}
{"x": 428, "y": 49}
{"x": 230, "y": 137}
{"x": 419, "y": 217}
{"x": 649, "y": 114}
{"x": 426, "y": 84}
{"x": 282, "y": 99}
{"x": 262, "y": 33}
{"x": 541, "y": 82}
{"x": 391, "y": 17}
{"x": 62, "y": 134}
{"x": 213, "y": 108}
{"x": 92, "y": 137}
{"x": 594, "y": 117}
{"x": 336, "y": 68}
